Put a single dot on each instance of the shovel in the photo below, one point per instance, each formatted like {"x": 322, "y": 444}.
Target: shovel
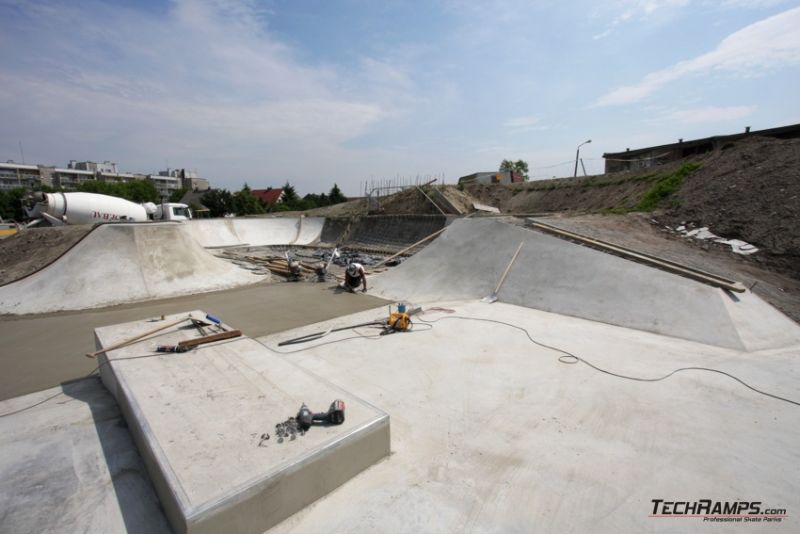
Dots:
{"x": 493, "y": 297}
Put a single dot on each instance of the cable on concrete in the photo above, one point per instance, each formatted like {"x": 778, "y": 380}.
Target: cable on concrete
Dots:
{"x": 569, "y": 358}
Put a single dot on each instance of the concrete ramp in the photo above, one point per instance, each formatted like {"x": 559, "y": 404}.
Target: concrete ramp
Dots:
{"x": 554, "y": 275}
{"x": 256, "y": 231}
{"x": 119, "y": 263}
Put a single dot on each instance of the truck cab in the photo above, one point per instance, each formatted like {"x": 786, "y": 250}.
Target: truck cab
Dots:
{"x": 170, "y": 211}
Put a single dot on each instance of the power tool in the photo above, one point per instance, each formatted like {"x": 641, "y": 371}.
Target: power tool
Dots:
{"x": 334, "y": 415}
{"x": 398, "y": 321}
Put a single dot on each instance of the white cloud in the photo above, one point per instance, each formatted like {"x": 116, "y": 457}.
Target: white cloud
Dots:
{"x": 521, "y": 123}
{"x": 634, "y": 10}
{"x": 711, "y": 114}
{"x": 751, "y": 51}
{"x": 751, "y": 4}
{"x": 206, "y": 83}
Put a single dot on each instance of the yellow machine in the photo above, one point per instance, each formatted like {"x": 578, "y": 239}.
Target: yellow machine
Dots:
{"x": 7, "y": 229}
{"x": 398, "y": 321}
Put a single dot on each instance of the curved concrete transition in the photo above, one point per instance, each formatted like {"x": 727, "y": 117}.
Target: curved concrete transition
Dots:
{"x": 119, "y": 263}
{"x": 554, "y": 275}
{"x": 256, "y": 231}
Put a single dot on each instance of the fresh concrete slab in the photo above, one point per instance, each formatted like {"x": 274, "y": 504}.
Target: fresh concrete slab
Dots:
{"x": 69, "y": 465}
{"x": 555, "y": 275}
{"x": 41, "y": 351}
{"x": 491, "y": 433}
{"x": 198, "y": 419}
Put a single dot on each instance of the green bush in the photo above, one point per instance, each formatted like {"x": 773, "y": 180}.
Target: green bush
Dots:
{"x": 665, "y": 187}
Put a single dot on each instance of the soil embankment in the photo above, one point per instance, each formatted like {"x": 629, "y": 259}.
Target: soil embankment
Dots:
{"x": 749, "y": 190}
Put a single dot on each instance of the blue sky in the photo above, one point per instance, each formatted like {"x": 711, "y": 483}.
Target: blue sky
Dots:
{"x": 319, "y": 92}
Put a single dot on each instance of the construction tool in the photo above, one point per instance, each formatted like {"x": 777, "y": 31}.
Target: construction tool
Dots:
{"x": 171, "y": 348}
{"x": 334, "y": 416}
{"x": 217, "y": 321}
{"x": 318, "y": 335}
{"x": 398, "y": 321}
{"x": 136, "y": 338}
{"x": 191, "y": 343}
{"x": 493, "y": 297}
{"x": 197, "y": 323}
{"x": 188, "y": 344}
{"x": 293, "y": 267}
{"x": 322, "y": 270}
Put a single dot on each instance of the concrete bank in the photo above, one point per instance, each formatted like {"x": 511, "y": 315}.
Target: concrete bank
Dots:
{"x": 118, "y": 263}
{"x": 555, "y": 275}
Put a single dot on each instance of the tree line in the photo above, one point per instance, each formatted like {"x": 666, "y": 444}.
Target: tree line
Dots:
{"x": 221, "y": 202}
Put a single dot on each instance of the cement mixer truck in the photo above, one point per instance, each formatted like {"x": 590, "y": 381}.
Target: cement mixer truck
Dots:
{"x": 90, "y": 208}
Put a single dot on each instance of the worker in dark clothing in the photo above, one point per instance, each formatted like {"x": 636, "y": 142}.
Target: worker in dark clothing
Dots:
{"x": 354, "y": 276}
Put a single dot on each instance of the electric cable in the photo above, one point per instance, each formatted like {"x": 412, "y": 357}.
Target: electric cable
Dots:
{"x": 51, "y": 397}
{"x": 571, "y": 359}
{"x": 565, "y": 358}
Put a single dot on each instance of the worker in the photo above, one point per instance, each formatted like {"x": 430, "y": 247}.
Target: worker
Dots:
{"x": 294, "y": 270}
{"x": 354, "y": 276}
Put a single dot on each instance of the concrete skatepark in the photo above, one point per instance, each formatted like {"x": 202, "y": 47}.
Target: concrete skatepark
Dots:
{"x": 475, "y": 420}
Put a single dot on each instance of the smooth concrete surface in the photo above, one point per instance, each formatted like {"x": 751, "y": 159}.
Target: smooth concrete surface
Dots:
{"x": 119, "y": 263}
{"x": 41, "y": 351}
{"x": 552, "y": 274}
{"x": 256, "y": 231}
{"x": 69, "y": 465}
{"x": 490, "y": 433}
{"x": 197, "y": 419}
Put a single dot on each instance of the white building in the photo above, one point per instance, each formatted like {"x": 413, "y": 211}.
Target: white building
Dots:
{"x": 19, "y": 175}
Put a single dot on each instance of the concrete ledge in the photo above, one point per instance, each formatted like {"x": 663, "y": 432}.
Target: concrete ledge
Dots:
{"x": 197, "y": 419}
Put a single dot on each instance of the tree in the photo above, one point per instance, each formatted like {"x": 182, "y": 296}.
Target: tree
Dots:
{"x": 290, "y": 197}
{"x": 520, "y": 167}
{"x": 11, "y": 203}
{"x": 177, "y": 195}
{"x": 219, "y": 202}
{"x": 336, "y": 196}
{"x": 244, "y": 203}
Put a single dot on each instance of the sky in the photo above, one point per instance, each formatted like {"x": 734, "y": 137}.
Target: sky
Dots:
{"x": 319, "y": 92}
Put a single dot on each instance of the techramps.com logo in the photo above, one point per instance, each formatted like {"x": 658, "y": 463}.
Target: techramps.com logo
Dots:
{"x": 712, "y": 511}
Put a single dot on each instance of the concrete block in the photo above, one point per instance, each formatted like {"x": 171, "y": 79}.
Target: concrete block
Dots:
{"x": 198, "y": 417}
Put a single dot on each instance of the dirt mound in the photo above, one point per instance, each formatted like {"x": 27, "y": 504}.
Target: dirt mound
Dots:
{"x": 412, "y": 201}
{"x": 33, "y": 248}
{"x": 350, "y": 208}
{"x": 749, "y": 191}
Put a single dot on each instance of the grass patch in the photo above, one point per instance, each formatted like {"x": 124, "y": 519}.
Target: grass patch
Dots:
{"x": 665, "y": 187}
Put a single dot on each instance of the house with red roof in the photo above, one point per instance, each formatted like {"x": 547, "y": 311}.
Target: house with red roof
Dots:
{"x": 269, "y": 195}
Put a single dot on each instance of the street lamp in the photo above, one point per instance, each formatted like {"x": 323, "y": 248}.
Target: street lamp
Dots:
{"x": 577, "y": 154}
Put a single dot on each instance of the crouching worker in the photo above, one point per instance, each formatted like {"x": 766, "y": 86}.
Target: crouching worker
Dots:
{"x": 354, "y": 276}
